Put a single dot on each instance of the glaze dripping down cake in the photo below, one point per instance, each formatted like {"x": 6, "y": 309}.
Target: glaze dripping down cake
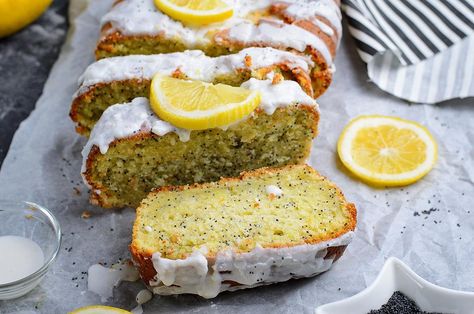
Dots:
{"x": 267, "y": 226}
{"x": 120, "y": 79}
{"x": 131, "y": 150}
{"x": 306, "y": 27}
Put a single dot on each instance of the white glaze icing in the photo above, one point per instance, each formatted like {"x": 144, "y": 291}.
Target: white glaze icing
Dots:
{"x": 274, "y": 96}
{"x": 193, "y": 63}
{"x": 309, "y": 10}
{"x": 324, "y": 27}
{"x": 271, "y": 32}
{"x": 141, "y": 17}
{"x": 273, "y": 189}
{"x": 102, "y": 280}
{"x": 260, "y": 266}
{"x": 20, "y": 257}
{"x": 124, "y": 120}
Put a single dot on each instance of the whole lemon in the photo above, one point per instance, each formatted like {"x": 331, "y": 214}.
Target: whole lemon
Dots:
{"x": 16, "y": 14}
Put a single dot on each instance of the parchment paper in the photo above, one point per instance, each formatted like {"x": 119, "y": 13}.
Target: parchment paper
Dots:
{"x": 429, "y": 225}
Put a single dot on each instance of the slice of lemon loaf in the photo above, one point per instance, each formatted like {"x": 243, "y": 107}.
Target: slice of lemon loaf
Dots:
{"x": 131, "y": 150}
{"x": 120, "y": 79}
{"x": 312, "y": 28}
{"x": 267, "y": 226}
{"x": 306, "y": 26}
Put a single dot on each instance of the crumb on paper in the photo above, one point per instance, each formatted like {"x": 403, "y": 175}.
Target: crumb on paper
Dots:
{"x": 32, "y": 207}
{"x": 143, "y": 296}
{"x": 86, "y": 214}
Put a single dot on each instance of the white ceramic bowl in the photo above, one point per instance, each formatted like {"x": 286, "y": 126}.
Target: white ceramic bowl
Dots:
{"x": 396, "y": 276}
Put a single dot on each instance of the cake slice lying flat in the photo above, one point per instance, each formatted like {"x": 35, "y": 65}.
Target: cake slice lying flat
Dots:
{"x": 311, "y": 28}
{"x": 117, "y": 80}
{"x": 267, "y": 226}
{"x": 131, "y": 150}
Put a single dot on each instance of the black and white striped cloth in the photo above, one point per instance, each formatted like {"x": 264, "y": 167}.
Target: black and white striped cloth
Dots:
{"x": 419, "y": 50}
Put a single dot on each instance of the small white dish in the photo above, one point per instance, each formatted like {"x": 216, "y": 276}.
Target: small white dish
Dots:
{"x": 396, "y": 276}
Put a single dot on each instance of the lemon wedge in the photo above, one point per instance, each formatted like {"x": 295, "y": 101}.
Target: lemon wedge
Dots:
{"x": 14, "y": 15}
{"x": 99, "y": 309}
{"x": 387, "y": 151}
{"x": 197, "y": 12}
{"x": 196, "y": 105}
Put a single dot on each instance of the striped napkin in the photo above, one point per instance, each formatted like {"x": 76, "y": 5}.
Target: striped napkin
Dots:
{"x": 418, "y": 50}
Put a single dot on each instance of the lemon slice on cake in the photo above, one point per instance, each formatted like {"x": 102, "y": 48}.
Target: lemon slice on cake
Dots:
{"x": 197, "y": 105}
{"x": 197, "y": 12}
{"x": 387, "y": 150}
{"x": 99, "y": 309}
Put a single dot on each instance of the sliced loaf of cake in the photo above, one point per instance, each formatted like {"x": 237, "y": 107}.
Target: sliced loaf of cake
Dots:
{"x": 266, "y": 226}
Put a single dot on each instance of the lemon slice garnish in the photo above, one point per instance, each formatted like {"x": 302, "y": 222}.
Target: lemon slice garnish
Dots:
{"x": 197, "y": 105}
{"x": 99, "y": 309}
{"x": 14, "y": 15}
{"x": 197, "y": 12}
{"x": 387, "y": 150}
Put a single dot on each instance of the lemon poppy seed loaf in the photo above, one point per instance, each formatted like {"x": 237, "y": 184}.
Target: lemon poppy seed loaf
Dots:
{"x": 120, "y": 79}
{"x": 131, "y": 150}
{"x": 266, "y": 226}
{"x": 311, "y": 28}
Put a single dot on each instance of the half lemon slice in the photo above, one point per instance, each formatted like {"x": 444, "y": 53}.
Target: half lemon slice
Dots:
{"x": 387, "y": 150}
{"x": 197, "y": 105}
{"x": 197, "y": 12}
{"x": 99, "y": 309}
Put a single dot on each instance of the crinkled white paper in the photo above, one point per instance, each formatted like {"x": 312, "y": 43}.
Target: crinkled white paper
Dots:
{"x": 429, "y": 225}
